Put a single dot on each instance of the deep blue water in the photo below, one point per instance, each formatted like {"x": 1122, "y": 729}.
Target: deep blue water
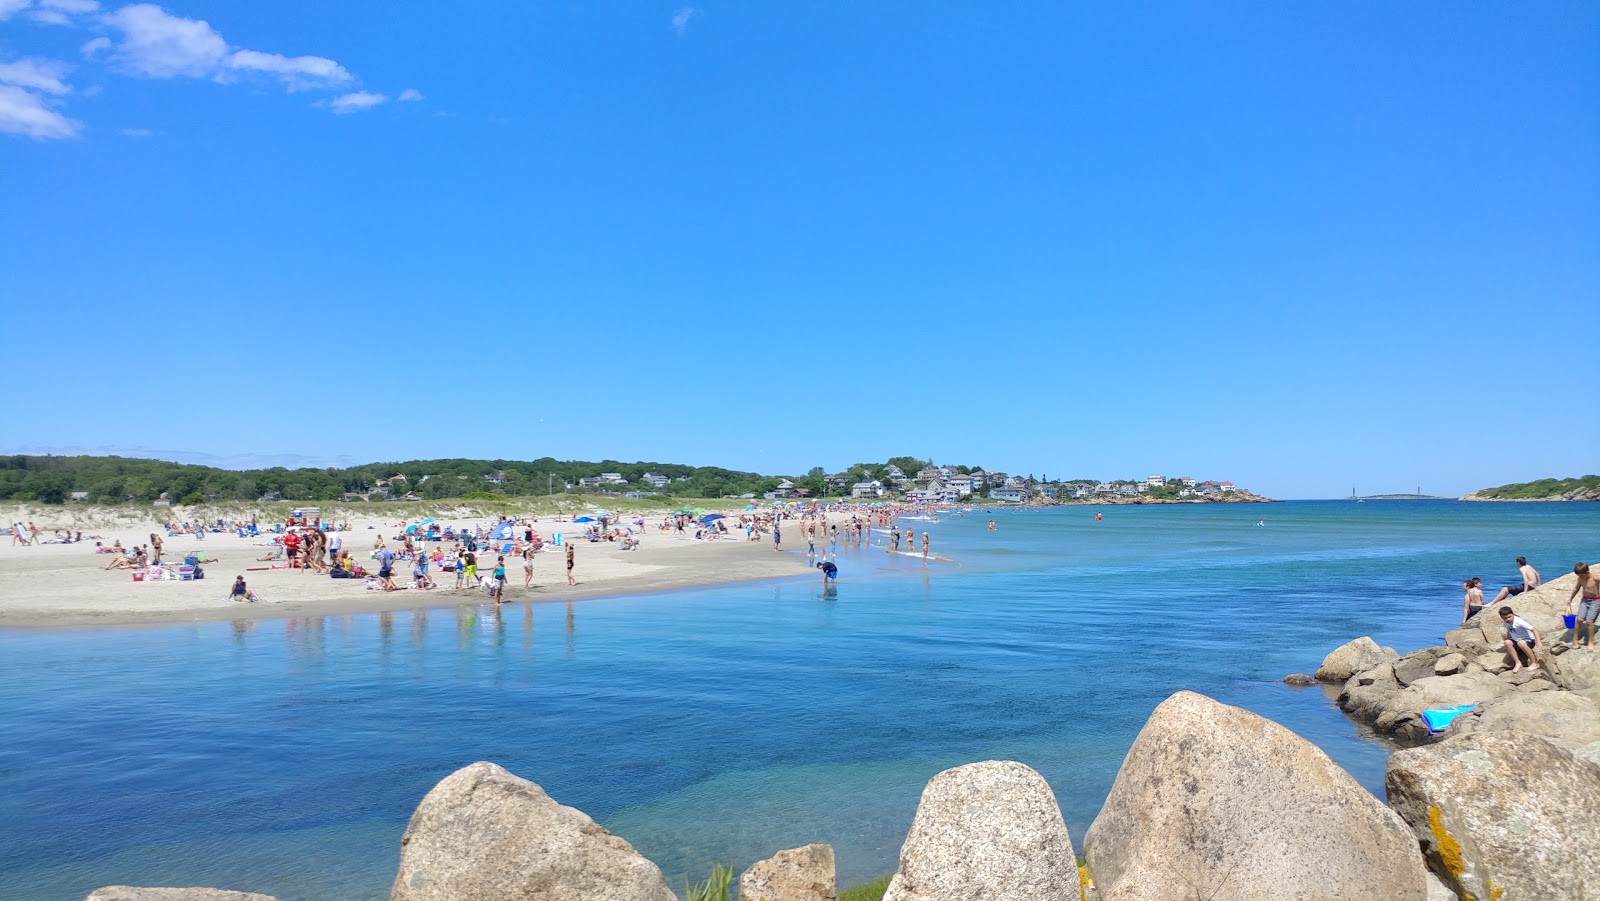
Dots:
{"x": 719, "y": 725}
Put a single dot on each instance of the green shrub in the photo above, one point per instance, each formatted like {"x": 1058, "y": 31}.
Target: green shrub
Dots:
{"x": 713, "y": 889}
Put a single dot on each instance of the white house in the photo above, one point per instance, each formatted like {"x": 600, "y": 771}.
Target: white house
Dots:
{"x": 1156, "y": 481}
{"x": 873, "y": 488}
{"x": 1186, "y": 481}
{"x": 656, "y": 481}
{"x": 613, "y": 478}
{"x": 962, "y": 485}
{"x": 1226, "y": 488}
{"x": 1008, "y": 494}
{"x": 1048, "y": 491}
{"x": 1127, "y": 489}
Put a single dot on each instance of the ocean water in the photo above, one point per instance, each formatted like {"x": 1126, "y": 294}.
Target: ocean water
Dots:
{"x": 720, "y": 725}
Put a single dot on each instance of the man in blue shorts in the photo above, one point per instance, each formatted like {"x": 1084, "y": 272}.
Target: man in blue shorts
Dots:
{"x": 830, "y": 573}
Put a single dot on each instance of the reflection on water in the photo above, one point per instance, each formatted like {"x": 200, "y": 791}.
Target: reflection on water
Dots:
{"x": 717, "y": 725}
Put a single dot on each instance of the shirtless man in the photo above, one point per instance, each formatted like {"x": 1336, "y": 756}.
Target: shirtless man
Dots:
{"x": 1472, "y": 601}
{"x": 1589, "y": 610}
{"x": 1530, "y": 581}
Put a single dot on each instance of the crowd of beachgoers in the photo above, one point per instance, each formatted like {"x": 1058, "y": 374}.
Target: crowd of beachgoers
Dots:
{"x": 626, "y": 552}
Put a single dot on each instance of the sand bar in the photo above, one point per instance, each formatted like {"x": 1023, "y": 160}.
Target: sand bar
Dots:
{"x": 66, "y": 585}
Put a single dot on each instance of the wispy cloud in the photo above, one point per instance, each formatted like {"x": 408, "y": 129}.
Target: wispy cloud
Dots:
{"x": 136, "y": 133}
{"x": 355, "y": 102}
{"x": 62, "y": 12}
{"x": 297, "y": 73}
{"x": 157, "y": 44}
{"x": 28, "y": 88}
{"x": 146, "y": 41}
{"x": 35, "y": 74}
{"x": 681, "y": 18}
{"x": 25, "y": 113}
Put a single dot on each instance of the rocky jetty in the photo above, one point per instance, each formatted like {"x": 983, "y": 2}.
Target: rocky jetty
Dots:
{"x": 1211, "y": 802}
{"x": 1560, "y": 701}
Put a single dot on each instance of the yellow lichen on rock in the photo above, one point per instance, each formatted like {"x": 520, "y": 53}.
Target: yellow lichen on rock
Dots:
{"x": 1083, "y": 882}
{"x": 1449, "y": 848}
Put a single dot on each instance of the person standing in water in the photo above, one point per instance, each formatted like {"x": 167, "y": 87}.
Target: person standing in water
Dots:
{"x": 924, "y": 547}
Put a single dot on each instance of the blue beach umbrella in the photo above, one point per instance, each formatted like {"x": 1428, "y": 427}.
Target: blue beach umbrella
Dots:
{"x": 712, "y": 517}
{"x": 584, "y": 519}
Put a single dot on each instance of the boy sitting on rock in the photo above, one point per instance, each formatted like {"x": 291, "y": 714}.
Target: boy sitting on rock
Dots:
{"x": 1521, "y": 638}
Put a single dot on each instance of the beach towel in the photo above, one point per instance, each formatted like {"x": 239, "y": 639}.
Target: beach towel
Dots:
{"x": 1440, "y": 719}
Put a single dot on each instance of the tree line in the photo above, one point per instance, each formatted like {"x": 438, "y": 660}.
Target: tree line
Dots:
{"x": 118, "y": 480}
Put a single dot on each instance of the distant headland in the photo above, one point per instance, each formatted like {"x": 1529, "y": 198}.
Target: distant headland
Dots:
{"x": 1586, "y": 488}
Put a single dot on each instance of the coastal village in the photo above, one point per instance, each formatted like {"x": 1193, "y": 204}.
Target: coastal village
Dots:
{"x": 957, "y": 484}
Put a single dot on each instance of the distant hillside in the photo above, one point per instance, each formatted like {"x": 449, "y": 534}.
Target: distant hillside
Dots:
{"x": 1584, "y": 489}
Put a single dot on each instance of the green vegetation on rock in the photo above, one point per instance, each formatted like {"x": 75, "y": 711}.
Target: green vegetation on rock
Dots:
{"x": 1540, "y": 489}
{"x": 872, "y": 891}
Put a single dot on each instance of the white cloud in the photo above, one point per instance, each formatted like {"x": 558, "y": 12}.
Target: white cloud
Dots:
{"x": 35, "y": 74}
{"x": 297, "y": 73}
{"x": 9, "y": 8}
{"x": 60, "y": 12}
{"x": 159, "y": 45}
{"x": 24, "y": 113}
{"x": 136, "y": 133}
{"x": 355, "y": 102}
{"x": 90, "y": 48}
{"x": 681, "y": 17}
{"x": 410, "y": 95}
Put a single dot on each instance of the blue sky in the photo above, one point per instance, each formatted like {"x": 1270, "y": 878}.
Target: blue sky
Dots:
{"x": 1301, "y": 248}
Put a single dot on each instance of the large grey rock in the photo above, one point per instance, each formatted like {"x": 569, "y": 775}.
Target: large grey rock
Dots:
{"x": 1449, "y": 664}
{"x": 987, "y": 831}
{"x": 1402, "y": 714}
{"x": 1558, "y": 716}
{"x": 482, "y": 833}
{"x": 1216, "y": 802}
{"x": 137, "y": 893}
{"x": 799, "y": 874}
{"x": 1502, "y": 815}
{"x": 1418, "y": 665}
{"x": 1367, "y": 693}
{"x": 1352, "y": 657}
{"x": 1576, "y": 670}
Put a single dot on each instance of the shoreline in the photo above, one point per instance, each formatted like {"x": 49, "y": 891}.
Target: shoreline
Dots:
{"x": 64, "y": 587}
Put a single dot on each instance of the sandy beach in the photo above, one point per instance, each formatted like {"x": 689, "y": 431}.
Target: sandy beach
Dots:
{"x": 66, "y": 585}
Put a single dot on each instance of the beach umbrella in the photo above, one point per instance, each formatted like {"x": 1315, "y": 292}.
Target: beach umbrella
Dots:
{"x": 584, "y": 519}
{"x": 413, "y": 526}
{"x": 712, "y": 517}
{"x": 602, "y": 512}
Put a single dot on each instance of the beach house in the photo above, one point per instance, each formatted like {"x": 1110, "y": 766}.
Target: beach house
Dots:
{"x": 1008, "y": 494}
{"x": 873, "y": 488}
{"x": 654, "y": 480}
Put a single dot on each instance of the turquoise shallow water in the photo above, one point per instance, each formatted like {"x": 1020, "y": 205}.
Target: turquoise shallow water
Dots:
{"x": 284, "y": 756}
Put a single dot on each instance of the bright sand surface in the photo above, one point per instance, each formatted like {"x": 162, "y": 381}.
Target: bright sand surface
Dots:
{"x": 66, "y": 585}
